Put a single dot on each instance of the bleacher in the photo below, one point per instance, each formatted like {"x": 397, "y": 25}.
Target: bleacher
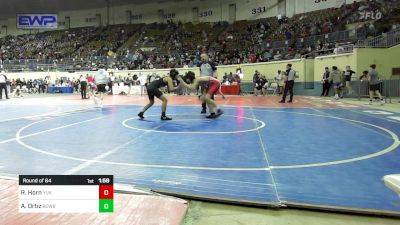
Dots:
{"x": 175, "y": 44}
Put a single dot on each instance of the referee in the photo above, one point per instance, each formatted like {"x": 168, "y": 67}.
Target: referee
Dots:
{"x": 83, "y": 82}
{"x": 289, "y": 83}
{"x": 3, "y": 85}
{"x": 207, "y": 69}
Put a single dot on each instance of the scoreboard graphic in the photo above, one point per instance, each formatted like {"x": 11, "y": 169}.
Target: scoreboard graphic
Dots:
{"x": 66, "y": 194}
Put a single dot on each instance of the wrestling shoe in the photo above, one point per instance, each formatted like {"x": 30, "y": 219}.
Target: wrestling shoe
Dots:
{"x": 141, "y": 115}
{"x": 220, "y": 112}
{"x": 212, "y": 116}
{"x": 166, "y": 118}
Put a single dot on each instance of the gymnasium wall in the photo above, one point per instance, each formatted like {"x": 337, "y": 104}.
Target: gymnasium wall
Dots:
{"x": 54, "y": 75}
{"x": 270, "y": 69}
{"x": 207, "y": 11}
{"x": 160, "y": 72}
{"x": 308, "y": 70}
{"x": 39, "y": 75}
{"x": 341, "y": 61}
{"x": 229, "y": 69}
{"x": 360, "y": 60}
{"x": 385, "y": 60}
{"x": 303, "y": 6}
{"x": 311, "y": 70}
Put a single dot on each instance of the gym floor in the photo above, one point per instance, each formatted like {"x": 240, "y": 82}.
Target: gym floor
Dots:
{"x": 315, "y": 153}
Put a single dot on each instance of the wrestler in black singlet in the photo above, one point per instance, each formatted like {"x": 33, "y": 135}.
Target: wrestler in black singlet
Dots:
{"x": 153, "y": 88}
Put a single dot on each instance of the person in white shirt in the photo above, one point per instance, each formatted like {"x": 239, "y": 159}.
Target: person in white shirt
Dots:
{"x": 101, "y": 79}
{"x": 279, "y": 17}
{"x": 338, "y": 49}
{"x": 3, "y": 85}
{"x": 240, "y": 73}
{"x": 143, "y": 81}
{"x": 279, "y": 80}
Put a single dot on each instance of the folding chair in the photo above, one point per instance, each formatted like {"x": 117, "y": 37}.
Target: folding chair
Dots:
{"x": 273, "y": 88}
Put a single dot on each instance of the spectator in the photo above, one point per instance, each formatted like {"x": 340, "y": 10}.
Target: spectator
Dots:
{"x": 135, "y": 80}
{"x": 239, "y": 74}
{"x": 288, "y": 35}
{"x": 256, "y": 77}
{"x": 42, "y": 86}
{"x": 260, "y": 86}
{"x": 143, "y": 83}
{"x": 338, "y": 49}
{"x": 17, "y": 93}
{"x": 280, "y": 81}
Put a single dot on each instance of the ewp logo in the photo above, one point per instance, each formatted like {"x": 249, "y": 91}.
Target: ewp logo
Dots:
{"x": 46, "y": 21}
{"x": 36, "y": 20}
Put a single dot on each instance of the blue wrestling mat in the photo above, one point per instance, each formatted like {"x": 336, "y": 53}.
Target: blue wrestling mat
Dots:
{"x": 326, "y": 158}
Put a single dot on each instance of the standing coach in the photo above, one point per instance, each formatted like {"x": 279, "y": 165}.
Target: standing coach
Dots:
{"x": 3, "y": 85}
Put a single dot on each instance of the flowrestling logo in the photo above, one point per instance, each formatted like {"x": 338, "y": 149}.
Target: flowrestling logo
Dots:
{"x": 37, "y": 21}
{"x": 370, "y": 15}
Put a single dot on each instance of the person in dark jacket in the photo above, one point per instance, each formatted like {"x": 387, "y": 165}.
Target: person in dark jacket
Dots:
{"x": 326, "y": 85}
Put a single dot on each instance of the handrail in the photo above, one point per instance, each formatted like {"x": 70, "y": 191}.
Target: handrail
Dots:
{"x": 338, "y": 36}
{"x": 345, "y": 49}
{"x": 385, "y": 40}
